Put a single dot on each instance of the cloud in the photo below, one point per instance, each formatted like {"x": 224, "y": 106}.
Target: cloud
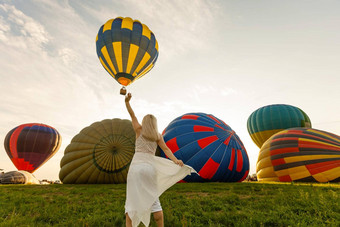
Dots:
{"x": 21, "y": 31}
{"x": 179, "y": 26}
{"x": 69, "y": 56}
{"x": 47, "y": 75}
{"x": 4, "y": 28}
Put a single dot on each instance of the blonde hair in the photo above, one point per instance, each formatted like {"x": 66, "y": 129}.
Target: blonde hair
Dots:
{"x": 149, "y": 128}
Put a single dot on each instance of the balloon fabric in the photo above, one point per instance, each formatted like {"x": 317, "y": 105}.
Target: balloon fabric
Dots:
{"x": 31, "y": 145}
{"x": 99, "y": 154}
{"x": 300, "y": 154}
{"x": 268, "y": 120}
{"x": 127, "y": 49}
{"x": 210, "y": 146}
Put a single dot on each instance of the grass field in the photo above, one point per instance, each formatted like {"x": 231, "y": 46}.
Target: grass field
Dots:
{"x": 195, "y": 204}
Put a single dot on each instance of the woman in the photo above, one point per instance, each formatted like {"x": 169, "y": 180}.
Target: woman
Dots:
{"x": 149, "y": 176}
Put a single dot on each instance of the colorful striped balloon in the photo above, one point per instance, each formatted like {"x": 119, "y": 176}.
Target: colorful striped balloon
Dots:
{"x": 31, "y": 145}
{"x": 268, "y": 120}
{"x": 300, "y": 154}
{"x": 126, "y": 48}
{"x": 210, "y": 146}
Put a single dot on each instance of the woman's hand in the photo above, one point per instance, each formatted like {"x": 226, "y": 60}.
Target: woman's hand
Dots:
{"x": 179, "y": 162}
{"x": 128, "y": 97}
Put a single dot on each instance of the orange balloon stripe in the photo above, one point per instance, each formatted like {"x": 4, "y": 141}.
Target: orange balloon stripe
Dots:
{"x": 226, "y": 141}
{"x": 305, "y": 144}
{"x": 306, "y": 155}
{"x": 279, "y": 161}
{"x": 285, "y": 178}
{"x": 209, "y": 169}
{"x": 172, "y": 144}
{"x": 284, "y": 139}
{"x": 14, "y": 139}
{"x": 239, "y": 163}
{"x": 199, "y": 128}
{"x": 206, "y": 141}
{"x": 214, "y": 118}
{"x": 232, "y": 159}
{"x": 21, "y": 162}
{"x": 191, "y": 117}
{"x": 219, "y": 126}
{"x": 284, "y": 150}
{"x": 323, "y": 166}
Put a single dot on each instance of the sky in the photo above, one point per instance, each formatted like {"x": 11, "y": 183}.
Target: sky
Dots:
{"x": 220, "y": 57}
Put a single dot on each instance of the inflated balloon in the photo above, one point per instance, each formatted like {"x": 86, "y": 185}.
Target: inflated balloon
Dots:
{"x": 210, "y": 146}
{"x": 268, "y": 120}
{"x": 300, "y": 154}
{"x": 101, "y": 153}
{"x": 31, "y": 145}
{"x": 19, "y": 177}
{"x": 126, "y": 48}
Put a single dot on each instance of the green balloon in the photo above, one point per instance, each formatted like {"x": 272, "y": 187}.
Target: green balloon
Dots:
{"x": 100, "y": 154}
{"x": 268, "y": 120}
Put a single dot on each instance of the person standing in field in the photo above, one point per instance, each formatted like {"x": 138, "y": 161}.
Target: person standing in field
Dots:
{"x": 149, "y": 176}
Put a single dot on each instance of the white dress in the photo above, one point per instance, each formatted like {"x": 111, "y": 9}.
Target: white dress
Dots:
{"x": 148, "y": 177}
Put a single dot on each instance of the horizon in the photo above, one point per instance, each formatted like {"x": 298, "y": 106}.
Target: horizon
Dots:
{"x": 223, "y": 58}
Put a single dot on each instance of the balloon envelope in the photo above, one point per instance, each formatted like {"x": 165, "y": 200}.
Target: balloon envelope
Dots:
{"x": 268, "y": 120}
{"x": 210, "y": 146}
{"x": 126, "y": 48}
{"x": 300, "y": 154}
{"x": 31, "y": 145}
{"x": 18, "y": 177}
{"x": 100, "y": 154}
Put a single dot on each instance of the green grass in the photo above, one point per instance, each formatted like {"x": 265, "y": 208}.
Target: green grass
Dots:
{"x": 214, "y": 204}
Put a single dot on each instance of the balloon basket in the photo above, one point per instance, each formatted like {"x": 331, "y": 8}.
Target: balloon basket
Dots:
{"x": 123, "y": 91}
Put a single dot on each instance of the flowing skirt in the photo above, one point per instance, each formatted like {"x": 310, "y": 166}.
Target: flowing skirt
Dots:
{"x": 148, "y": 177}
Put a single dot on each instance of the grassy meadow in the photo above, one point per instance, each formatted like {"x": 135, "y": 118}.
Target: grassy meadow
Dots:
{"x": 189, "y": 204}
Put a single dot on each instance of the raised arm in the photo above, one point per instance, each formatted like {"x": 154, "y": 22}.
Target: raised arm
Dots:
{"x": 135, "y": 124}
{"x": 168, "y": 152}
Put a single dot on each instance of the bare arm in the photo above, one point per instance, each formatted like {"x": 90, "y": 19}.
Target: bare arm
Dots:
{"x": 168, "y": 152}
{"x": 135, "y": 124}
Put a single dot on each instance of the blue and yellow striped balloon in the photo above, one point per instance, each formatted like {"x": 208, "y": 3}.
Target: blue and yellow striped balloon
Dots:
{"x": 126, "y": 48}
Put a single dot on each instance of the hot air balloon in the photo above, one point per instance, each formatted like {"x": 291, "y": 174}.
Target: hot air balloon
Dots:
{"x": 31, "y": 145}
{"x": 210, "y": 146}
{"x": 100, "y": 154}
{"x": 300, "y": 154}
{"x": 268, "y": 120}
{"x": 126, "y": 48}
{"x": 19, "y": 177}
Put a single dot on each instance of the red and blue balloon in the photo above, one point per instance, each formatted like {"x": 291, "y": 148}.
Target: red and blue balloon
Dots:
{"x": 31, "y": 145}
{"x": 210, "y": 146}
